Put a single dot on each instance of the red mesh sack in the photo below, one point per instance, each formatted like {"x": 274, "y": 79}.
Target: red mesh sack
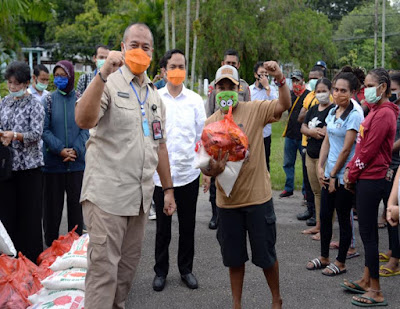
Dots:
{"x": 7, "y": 265}
{"x": 60, "y": 246}
{"x": 225, "y": 135}
{"x": 43, "y": 270}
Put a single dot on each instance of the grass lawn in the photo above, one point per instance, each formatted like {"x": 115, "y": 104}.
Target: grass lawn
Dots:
{"x": 278, "y": 176}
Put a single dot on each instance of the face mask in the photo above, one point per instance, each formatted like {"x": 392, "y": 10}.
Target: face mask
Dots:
{"x": 323, "y": 97}
{"x": 312, "y": 83}
{"x": 41, "y": 87}
{"x": 226, "y": 99}
{"x": 341, "y": 99}
{"x": 370, "y": 95}
{"x": 100, "y": 63}
{"x": 394, "y": 97}
{"x": 298, "y": 89}
{"x": 61, "y": 82}
{"x": 17, "y": 94}
{"x": 176, "y": 76}
{"x": 137, "y": 60}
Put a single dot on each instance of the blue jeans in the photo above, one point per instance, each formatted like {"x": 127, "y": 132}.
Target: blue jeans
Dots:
{"x": 289, "y": 160}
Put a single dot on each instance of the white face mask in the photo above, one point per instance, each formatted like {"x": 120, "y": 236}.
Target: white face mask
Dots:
{"x": 323, "y": 97}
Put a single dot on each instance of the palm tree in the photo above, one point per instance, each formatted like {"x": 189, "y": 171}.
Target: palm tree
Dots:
{"x": 196, "y": 26}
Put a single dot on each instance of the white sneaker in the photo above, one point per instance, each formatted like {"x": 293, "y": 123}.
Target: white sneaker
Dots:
{"x": 152, "y": 214}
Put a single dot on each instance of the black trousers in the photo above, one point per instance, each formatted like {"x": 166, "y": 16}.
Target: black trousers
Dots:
{"x": 21, "y": 211}
{"x": 55, "y": 187}
{"x": 186, "y": 201}
{"x": 267, "y": 148}
{"x": 369, "y": 194}
{"x": 341, "y": 200}
{"x": 393, "y": 231}
{"x": 307, "y": 187}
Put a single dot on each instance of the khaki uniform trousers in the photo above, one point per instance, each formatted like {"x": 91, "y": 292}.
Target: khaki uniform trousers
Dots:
{"x": 113, "y": 255}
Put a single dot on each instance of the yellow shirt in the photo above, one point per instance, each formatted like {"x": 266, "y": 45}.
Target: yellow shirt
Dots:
{"x": 309, "y": 101}
{"x": 120, "y": 160}
{"x": 253, "y": 186}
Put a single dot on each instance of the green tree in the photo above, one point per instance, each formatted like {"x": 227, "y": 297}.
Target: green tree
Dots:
{"x": 356, "y": 31}
{"x": 335, "y": 10}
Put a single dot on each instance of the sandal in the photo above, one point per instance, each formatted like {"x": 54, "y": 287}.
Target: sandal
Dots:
{"x": 383, "y": 257}
{"x": 373, "y": 302}
{"x": 317, "y": 264}
{"x": 387, "y": 272}
{"x": 352, "y": 255}
{"x": 309, "y": 231}
{"x": 316, "y": 237}
{"x": 357, "y": 288}
{"x": 335, "y": 271}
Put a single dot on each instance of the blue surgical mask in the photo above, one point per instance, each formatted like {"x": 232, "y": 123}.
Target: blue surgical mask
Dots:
{"x": 17, "y": 94}
{"x": 61, "y": 82}
{"x": 100, "y": 63}
{"x": 312, "y": 83}
{"x": 370, "y": 95}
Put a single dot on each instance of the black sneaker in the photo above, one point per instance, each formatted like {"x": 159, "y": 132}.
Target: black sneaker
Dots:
{"x": 286, "y": 193}
{"x": 304, "y": 215}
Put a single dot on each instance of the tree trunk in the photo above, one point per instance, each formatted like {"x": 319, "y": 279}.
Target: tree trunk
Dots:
{"x": 166, "y": 24}
{"x": 195, "y": 30}
{"x": 173, "y": 23}
{"x": 187, "y": 36}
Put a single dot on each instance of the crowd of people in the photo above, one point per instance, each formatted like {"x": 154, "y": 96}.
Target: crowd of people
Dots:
{"x": 120, "y": 144}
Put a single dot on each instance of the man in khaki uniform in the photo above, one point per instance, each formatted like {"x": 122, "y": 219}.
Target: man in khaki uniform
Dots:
{"x": 248, "y": 210}
{"x": 123, "y": 152}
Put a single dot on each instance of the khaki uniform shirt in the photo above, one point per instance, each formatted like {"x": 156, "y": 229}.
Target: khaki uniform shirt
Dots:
{"x": 120, "y": 160}
{"x": 211, "y": 104}
{"x": 253, "y": 186}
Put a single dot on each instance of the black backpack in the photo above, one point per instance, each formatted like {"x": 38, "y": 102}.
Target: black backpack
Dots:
{"x": 6, "y": 159}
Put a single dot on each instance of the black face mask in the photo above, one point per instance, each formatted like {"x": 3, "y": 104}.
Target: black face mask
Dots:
{"x": 394, "y": 97}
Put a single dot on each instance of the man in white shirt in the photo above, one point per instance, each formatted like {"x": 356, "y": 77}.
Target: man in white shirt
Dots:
{"x": 40, "y": 81}
{"x": 185, "y": 117}
{"x": 262, "y": 90}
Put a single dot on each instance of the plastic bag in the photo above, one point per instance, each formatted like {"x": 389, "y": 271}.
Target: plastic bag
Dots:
{"x": 58, "y": 247}
{"x": 10, "y": 296}
{"x": 47, "y": 297}
{"x": 6, "y": 244}
{"x": 43, "y": 270}
{"x": 73, "y": 278}
{"x": 76, "y": 257}
{"x": 7, "y": 265}
{"x": 225, "y": 135}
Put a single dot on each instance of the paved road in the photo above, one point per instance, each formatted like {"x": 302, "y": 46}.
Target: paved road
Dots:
{"x": 301, "y": 289}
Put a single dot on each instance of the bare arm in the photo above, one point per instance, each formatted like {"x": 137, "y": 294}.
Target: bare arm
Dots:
{"x": 343, "y": 155}
{"x": 88, "y": 108}
{"x": 392, "y": 214}
{"x": 302, "y": 115}
{"x": 164, "y": 172}
{"x": 396, "y": 146}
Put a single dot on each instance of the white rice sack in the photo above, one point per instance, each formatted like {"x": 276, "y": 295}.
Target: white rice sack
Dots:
{"x": 202, "y": 158}
{"x": 73, "y": 278}
{"x": 63, "y": 301}
{"x": 45, "y": 296}
{"x": 76, "y": 257}
{"x": 6, "y": 244}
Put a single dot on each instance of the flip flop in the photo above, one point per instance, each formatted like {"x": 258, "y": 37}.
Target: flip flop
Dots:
{"x": 307, "y": 232}
{"x": 382, "y": 225}
{"x": 373, "y": 303}
{"x": 316, "y": 237}
{"x": 390, "y": 272}
{"x": 335, "y": 271}
{"x": 317, "y": 264}
{"x": 357, "y": 289}
{"x": 352, "y": 255}
{"x": 383, "y": 257}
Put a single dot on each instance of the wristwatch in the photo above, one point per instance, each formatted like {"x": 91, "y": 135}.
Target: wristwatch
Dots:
{"x": 268, "y": 88}
{"x": 15, "y": 136}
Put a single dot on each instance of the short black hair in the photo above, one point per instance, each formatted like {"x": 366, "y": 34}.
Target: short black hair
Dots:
{"x": 163, "y": 63}
{"x": 258, "y": 65}
{"x": 231, "y": 52}
{"x": 324, "y": 81}
{"x": 347, "y": 73}
{"x": 169, "y": 54}
{"x": 20, "y": 70}
{"x": 138, "y": 24}
{"x": 39, "y": 68}
{"x": 395, "y": 78}
{"x": 318, "y": 68}
{"x": 96, "y": 49}
{"x": 382, "y": 76}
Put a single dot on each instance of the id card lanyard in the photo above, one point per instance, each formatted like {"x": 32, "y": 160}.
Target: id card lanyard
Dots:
{"x": 145, "y": 123}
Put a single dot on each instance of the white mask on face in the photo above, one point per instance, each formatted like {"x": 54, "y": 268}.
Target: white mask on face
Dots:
{"x": 323, "y": 97}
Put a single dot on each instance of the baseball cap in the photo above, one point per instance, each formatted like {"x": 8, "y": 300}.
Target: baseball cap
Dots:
{"x": 227, "y": 71}
{"x": 321, "y": 63}
{"x": 297, "y": 75}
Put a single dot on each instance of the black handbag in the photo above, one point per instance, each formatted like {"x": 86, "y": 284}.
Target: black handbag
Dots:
{"x": 6, "y": 159}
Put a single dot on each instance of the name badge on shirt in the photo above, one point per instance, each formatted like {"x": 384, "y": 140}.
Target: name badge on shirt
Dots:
{"x": 157, "y": 132}
{"x": 123, "y": 94}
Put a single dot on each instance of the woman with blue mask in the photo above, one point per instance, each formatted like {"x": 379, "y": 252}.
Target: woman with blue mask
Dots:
{"x": 64, "y": 154}
{"x": 368, "y": 172}
{"x": 21, "y": 128}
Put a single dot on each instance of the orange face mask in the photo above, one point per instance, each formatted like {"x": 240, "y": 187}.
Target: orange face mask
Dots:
{"x": 176, "y": 76}
{"x": 137, "y": 60}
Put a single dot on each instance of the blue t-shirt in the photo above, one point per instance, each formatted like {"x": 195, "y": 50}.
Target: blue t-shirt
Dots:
{"x": 337, "y": 129}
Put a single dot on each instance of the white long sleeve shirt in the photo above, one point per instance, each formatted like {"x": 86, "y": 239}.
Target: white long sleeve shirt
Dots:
{"x": 185, "y": 117}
